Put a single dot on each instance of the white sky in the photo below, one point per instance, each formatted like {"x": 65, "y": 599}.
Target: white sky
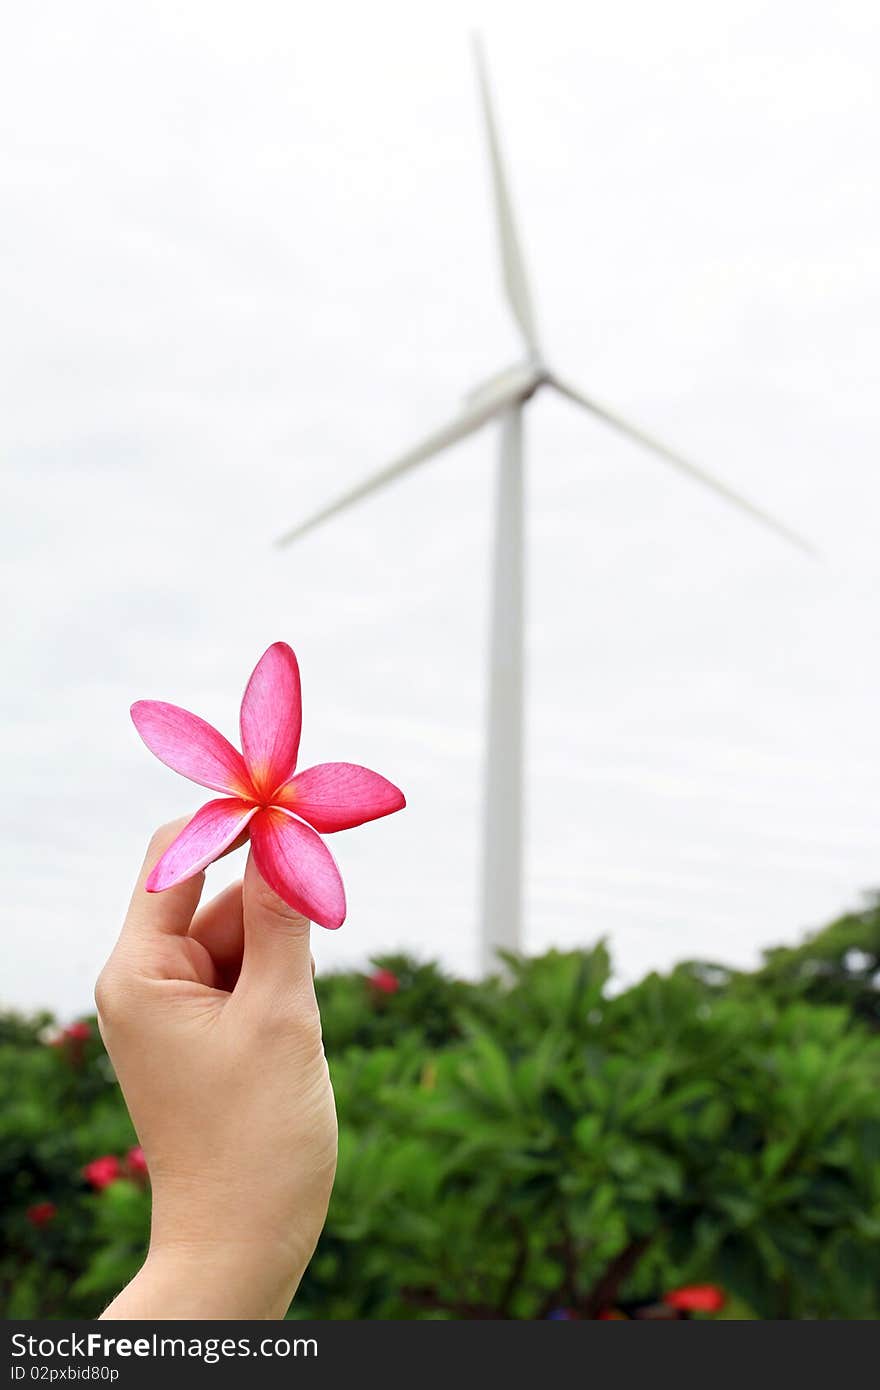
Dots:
{"x": 248, "y": 255}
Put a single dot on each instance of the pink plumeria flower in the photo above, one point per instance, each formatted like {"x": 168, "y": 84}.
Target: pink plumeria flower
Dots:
{"x": 281, "y": 813}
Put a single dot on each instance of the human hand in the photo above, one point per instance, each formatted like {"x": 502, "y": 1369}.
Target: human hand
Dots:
{"x": 211, "y": 1022}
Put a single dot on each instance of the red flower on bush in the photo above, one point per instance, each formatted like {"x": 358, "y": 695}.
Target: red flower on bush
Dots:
{"x": 384, "y": 981}
{"x": 101, "y": 1172}
{"x": 71, "y": 1041}
{"x": 696, "y": 1298}
{"x": 136, "y": 1163}
{"x": 41, "y": 1213}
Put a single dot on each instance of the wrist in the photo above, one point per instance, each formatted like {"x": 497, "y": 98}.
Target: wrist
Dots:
{"x": 244, "y": 1236}
{"x": 213, "y": 1281}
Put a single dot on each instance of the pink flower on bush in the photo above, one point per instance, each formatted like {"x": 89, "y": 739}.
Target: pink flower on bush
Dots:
{"x": 262, "y": 798}
{"x": 696, "y": 1298}
{"x": 136, "y": 1163}
{"x": 384, "y": 981}
{"x": 101, "y": 1172}
{"x": 41, "y": 1214}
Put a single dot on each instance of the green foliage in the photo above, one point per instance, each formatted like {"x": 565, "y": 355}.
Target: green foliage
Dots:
{"x": 526, "y": 1143}
{"x": 838, "y": 965}
{"x": 60, "y": 1108}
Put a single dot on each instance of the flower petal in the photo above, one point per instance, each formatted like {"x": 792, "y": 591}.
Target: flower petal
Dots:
{"x": 212, "y": 829}
{"x": 298, "y": 866}
{"x": 191, "y": 747}
{"x": 337, "y": 796}
{"x": 271, "y": 719}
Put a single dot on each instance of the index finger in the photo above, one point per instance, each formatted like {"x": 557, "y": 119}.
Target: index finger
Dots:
{"x": 170, "y": 912}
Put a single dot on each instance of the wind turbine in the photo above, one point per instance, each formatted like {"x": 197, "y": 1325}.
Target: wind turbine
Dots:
{"x": 503, "y": 398}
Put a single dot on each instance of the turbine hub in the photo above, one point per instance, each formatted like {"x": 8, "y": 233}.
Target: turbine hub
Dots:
{"x": 516, "y": 383}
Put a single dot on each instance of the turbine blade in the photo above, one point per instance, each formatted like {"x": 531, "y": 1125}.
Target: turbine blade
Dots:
{"x": 457, "y": 429}
{"x": 513, "y": 265}
{"x": 698, "y": 474}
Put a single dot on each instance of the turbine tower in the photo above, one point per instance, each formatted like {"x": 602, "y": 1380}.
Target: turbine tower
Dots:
{"x": 503, "y": 399}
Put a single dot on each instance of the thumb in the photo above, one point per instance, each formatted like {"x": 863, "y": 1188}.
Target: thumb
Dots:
{"x": 277, "y": 961}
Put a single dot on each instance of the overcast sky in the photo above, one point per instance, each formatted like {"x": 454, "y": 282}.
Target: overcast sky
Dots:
{"x": 248, "y": 255}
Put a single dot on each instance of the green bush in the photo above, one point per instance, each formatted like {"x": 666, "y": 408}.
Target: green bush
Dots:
{"x": 524, "y": 1144}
